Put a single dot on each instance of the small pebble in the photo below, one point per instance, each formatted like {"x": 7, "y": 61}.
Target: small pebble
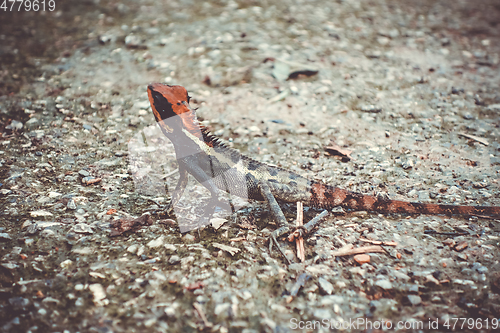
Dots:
{"x": 5, "y": 236}
{"x": 84, "y": 173}
{"x": 431, "y": 279}
{"x": 156, "y": 242}
{"x": 15, "y": 125}
{"x": 384, "y": 284}
{"x": 362, "y": 258}
{"x": 189, "y": 238}
{"x": 325, "y": 287}
{"x": 414, "y": 299}
{"x": 461, "y": 246}
{"x": 132, "y": 41}
{"x": 71, "y": 204}
{"x": 174, "y": 260}
{"x": 450, "y": 242}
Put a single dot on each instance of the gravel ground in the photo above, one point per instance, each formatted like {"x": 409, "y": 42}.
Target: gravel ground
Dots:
{"x": 410, "y": 89}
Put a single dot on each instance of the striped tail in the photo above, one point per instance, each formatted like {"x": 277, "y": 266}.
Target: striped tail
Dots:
{"x": 327, "y": 197}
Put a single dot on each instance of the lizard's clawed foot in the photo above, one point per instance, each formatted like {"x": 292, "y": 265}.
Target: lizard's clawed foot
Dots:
{"x": 168, "y": 210}
{"x": 162, "y": 210}
{"x": 273, "y": 239}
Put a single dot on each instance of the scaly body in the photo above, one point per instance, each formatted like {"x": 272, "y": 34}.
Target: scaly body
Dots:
{"x": 219, "y": 167}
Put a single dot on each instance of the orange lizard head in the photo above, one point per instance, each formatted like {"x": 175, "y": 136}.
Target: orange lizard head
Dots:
{"x": 171, "y": 108}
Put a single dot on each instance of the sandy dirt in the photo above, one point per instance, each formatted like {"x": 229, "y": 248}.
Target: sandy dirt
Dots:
{"x": 409, "y": 88}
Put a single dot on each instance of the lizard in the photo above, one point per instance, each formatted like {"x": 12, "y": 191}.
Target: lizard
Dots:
{"x": 221, "y": 168}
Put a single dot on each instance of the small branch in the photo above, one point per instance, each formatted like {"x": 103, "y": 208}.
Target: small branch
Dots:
{"x": 237, "y": 239}
{"x": 450, "y": 234}
{"x": 300, "y": 240}
{"x": 349, "y": 250}
{"x": 378, "y": 242}
{"x": 308, "y": 227}
{"x": 202, "y": 315}
{"x": 170, "y": 174}
{"x": 475, "y": 138}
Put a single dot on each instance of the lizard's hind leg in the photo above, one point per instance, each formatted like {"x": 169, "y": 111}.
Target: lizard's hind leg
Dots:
{"x": 284, "y": 227}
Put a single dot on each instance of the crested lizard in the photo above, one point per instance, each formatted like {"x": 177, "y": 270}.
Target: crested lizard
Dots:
{"x": 219, "y": 167}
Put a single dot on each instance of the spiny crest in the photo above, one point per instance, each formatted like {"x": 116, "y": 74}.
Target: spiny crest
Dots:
{"x": 216, "y": 142}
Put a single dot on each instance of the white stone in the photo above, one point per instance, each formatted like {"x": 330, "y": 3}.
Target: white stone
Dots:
{"x": 66, "y": 263}
{"x": 219, "y": 308}
{"x": 37, "y": 213}
{"x": 99, "y": 294}
{"x": 156, "y": 242}
{"x": 384, "y": 284}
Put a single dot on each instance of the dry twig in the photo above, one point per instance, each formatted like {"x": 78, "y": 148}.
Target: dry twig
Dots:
{"x": 378, "y": 242}
{"x": 198, "y": 308}
{"x": 300, "y": 240}
{"x": 350, "y": 250}
{"x": 475, "y": 138}
{"x": 306, "y": 229}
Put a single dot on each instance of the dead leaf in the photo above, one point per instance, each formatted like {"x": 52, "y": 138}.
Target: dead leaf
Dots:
{"x": 337, "y": 151}
{"x": 128, "y": 223}
{"x": 301, "y": 74}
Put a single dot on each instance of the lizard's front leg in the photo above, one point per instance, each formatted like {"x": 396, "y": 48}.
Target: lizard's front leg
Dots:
{"x": 179, "y": 189}
{"x": 192, "y": 165}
